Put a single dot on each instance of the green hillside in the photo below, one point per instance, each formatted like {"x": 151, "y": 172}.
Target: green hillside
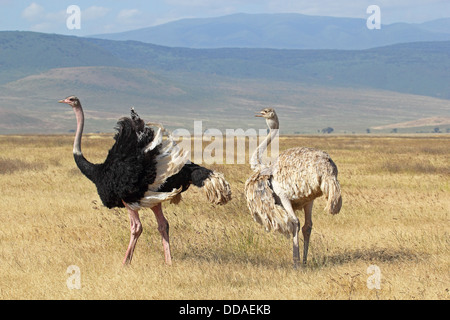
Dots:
{"x": 417, "y": 68}
{"x": 350, "y": 91}
{"x": 24, "y": 53}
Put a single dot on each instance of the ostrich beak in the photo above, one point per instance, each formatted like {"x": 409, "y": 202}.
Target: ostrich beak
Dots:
{"x": 64, "y": 101}
{"x": 259, "y": 115}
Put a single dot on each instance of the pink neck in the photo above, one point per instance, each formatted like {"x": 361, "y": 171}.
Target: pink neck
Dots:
{"x": 80, "y": 125}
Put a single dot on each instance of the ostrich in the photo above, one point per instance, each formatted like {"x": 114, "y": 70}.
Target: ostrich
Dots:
{"x": 292, "y": 182}
{"x": 143, "y": 170}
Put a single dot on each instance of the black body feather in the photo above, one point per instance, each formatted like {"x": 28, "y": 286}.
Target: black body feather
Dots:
{"x": 191, "y": 173}
{"x": 128, "y": 170}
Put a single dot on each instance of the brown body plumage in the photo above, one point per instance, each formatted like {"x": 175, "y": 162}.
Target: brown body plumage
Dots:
{"x": 292, "y": 182}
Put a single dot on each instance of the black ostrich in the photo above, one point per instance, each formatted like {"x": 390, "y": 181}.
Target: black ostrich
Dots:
{"x": 143, "y": 170}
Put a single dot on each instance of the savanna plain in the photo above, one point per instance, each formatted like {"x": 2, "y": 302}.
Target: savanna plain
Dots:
{"x": 395, "y": 216}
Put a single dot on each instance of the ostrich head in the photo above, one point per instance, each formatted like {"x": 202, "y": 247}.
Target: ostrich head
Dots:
{"x": 72, "y": 101}
{"x": 271, "y": 117}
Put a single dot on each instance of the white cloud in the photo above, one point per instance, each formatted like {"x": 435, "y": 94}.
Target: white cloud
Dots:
{"x": 128, "y": 16}
{"x": 33, "y": 12}
{"x": 42, "y": 20}
{"x": 131, "y": 19}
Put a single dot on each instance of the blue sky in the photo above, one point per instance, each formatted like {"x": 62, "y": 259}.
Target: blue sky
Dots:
{"x": 106, "y": 16}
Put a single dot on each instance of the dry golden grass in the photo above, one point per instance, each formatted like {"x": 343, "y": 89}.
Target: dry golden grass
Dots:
{"x": 395, "y": 215}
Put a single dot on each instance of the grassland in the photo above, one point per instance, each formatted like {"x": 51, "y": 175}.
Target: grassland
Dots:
{"x": 395, "y": 215}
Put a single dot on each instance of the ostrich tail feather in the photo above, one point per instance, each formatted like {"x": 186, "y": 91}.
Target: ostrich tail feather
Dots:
{"x": 217, "y": 190}
{"x": 332, "y": 191}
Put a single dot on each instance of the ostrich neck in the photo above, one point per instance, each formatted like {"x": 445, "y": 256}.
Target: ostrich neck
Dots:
{"x": 256, "y": 159}
{"x": 86, "y": 167}
{"x": 80, "y": 125}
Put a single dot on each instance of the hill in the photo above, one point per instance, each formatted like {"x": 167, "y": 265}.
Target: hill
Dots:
{"x": 23, "y": 53}
{"x": 348, "y": 90}
{"x": 419, "y": 123}
{"x": 417, "y": 68}
{"x": 439, "y": 25}
{"x": 29, "y": 105}
{"x": 283, "y": 31}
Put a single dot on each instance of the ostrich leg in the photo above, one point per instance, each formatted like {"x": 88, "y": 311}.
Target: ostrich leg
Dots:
{"x": 135, "y": 232}
{"x": 163, "y": 228}
{"x": 295, "y": 248}
{"x": 306, "y": 229}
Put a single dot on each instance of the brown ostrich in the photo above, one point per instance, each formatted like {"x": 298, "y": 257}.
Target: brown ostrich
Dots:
{"x": 297, "y": 177}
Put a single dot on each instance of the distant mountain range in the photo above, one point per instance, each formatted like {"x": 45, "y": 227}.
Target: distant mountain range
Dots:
{"x": 349, "y": 90}
{"x": 283, "y": 31}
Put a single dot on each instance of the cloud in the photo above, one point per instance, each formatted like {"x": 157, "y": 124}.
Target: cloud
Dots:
{"x": 33, "y": 12}
{"x": 41, "y": 20}
{"x": 132, "y": 18}
{"x": 128, "y": 16}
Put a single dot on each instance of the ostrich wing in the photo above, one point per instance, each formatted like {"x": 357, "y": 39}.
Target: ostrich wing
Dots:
{"x": 262, "y": 203}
